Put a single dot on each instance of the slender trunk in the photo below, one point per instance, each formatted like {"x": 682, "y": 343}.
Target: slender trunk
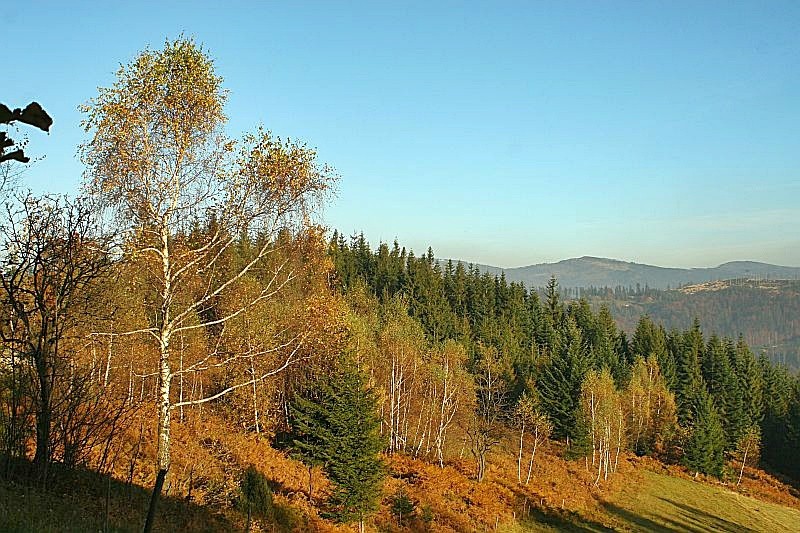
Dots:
{"x": 594, "y": 430}
{"x": 163, "y": 453}
{"x": 533, "y": 454}
{"x": 744, "y": 460}
{"x": 130, "y": 383}
{"x": 164, "y": 415}
{"x": 43, "y": 418}
{"x": 392, "y": 383}
{"x": 151, "y": 512}
{"x": 180, "y": 381}
{"x": 600, "y": 460}
{"x": 107, "y": 375}
{"x": 619, "y": 440}
{"x": 519, "y": 457}
{"x": 419, "y": 428}
{"x": 255, "y": 396}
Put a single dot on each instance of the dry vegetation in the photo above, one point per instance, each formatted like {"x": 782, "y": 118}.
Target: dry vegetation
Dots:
{"x": 202, "y": 490}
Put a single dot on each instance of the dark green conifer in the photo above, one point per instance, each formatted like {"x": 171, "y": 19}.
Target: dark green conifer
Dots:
{"x": 338, "y": 427}
{"x": 705, "y": 450}
{"x": 560, "y": 382}
{"x": 690, "y": 378}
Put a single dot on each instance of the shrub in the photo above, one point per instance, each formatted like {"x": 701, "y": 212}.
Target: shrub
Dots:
{"x": 255, "y": 494}
{"x": 402, "y": 506}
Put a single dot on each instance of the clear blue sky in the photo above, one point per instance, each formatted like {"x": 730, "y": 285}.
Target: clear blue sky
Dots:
{"x": 506, "y": 133}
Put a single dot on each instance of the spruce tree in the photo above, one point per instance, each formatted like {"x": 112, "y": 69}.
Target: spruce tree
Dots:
{"x": 705, "y": 450}
{"x": 560, "y": 382}
{"x": 651, "y": 340}
{"x": 354, "y": 467}
{"x": 335, "y": 424}
{"x": 751, "y": 384}
{"x": 311, "y": 436}
{"x": 690, "y": 379}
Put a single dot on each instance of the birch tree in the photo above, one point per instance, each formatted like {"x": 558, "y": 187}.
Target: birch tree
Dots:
{"x": 401, "y": 344}
{"x": 454, "y": 387}
{"x": 529, "y": 418}
{"x": 486, "y": 426}
{"x": 748, "y": 450}
{"x": 651, "y": 413}
{"x": 158, "y": 157}
{"x": 602, "y": 407}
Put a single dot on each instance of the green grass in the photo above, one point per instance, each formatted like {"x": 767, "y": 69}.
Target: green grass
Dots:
{"x": 663, "y": 503}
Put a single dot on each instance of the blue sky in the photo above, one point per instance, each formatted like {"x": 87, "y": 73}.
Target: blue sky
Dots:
{"x": 506, "y": 133}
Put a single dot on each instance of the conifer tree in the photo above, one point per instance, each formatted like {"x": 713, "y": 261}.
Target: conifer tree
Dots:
{"x": 751, "y": 384}
{"x": 560, "y": 382}
{"x": 354, "y": 465}
{"x": 723, "y": 387}
{"x": 335, "y": 424}
{"x": 651, "y": 340}
{"x": 735, "y": 419}
{"x": 553, "y": 300}
{"x": 690, "y": 379}
{"x": 605, "y": 347}
{"x": 705, "y": 450}
{"x": 310, "y": 432}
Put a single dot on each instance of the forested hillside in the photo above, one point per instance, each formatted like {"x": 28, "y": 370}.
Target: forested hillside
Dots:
{"x": 719, "y": 390}
{"x": 758, "y": 301}
{"x": 765, "y": 312}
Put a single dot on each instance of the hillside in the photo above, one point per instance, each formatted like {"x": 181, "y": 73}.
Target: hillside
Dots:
{"x": 758, "y": 301}
{"x": 601, "y": 272}
{"x": 642, "y": 495}
{"x": 765, "y": 313}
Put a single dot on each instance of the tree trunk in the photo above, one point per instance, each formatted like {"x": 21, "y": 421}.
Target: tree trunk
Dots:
{"x": 43, "y": 420}
{"x": 744, "y": 460}
{"x": 163, "y": 455}
{"x": 533, "y": 455}
{"x": 151, "y": 511}
{"x": 255, "y": 399}
{"x": 519, "y": 457}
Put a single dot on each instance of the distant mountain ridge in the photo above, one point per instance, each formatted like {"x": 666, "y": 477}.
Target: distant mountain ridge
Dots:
{"x": 590, "y": 271}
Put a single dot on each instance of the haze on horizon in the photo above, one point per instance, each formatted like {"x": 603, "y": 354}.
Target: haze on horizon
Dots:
{"x": 505, "y": 134}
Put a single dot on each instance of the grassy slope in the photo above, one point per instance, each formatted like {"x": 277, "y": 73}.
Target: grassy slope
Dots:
{"x": 665, "y": 503}
{"x": 661, "y": 503}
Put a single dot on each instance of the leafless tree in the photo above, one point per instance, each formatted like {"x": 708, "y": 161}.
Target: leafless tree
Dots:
{"x": 52, "y": 260}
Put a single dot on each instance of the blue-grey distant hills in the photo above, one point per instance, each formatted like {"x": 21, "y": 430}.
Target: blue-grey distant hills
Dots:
{"x": 600, "y": 272}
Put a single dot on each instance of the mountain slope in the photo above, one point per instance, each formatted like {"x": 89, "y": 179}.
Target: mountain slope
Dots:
{"x": 602, "y": 272}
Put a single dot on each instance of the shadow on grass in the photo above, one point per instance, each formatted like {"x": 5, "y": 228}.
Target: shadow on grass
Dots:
{"x": 564, "y": 521}
{"x": 75, "y": 501}
{"x": 704, "y": 519}
{"x": 685, "y": 518}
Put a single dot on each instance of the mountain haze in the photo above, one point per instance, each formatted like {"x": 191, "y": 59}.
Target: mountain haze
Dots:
{"x": 589, "y": 271}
